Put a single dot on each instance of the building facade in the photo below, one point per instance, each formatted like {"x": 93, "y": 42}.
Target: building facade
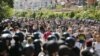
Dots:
{"x": 32, "y": 4}
{"x": 36, "y": 4}
{"x": 91, "y": 2}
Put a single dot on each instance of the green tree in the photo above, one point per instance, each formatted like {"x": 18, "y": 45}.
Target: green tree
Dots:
{"x": 71, "y": 14}
{"x": 33, "y": 15}
{"x": 8, "y": 2}
{"x": 6, "y": 10}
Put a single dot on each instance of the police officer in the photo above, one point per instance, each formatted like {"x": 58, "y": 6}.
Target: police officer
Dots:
{"x": 3, "y": 49}
{"x": 16, "y": 49}
{"x": 52, "y": 48}
{"x": 64, "y": 51}
{"x": 37, "y": 45}
{"x": 29, "y": 51}
{"x": 74, "y": 51}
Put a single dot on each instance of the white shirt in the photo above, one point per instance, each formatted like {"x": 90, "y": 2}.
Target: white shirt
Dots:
{"x": 79, "y": 45}
{"x": 97, "y": 48}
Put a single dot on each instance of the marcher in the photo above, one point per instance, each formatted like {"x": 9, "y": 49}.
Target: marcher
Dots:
{"x": 65, "y": 37}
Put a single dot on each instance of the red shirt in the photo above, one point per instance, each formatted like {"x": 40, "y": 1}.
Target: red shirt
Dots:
{"x": 46, "y": 34}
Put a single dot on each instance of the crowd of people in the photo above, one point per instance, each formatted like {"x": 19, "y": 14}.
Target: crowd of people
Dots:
{"x": 53, "y": 37}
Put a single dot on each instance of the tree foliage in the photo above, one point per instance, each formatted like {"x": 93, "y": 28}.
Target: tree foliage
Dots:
{"x": 8, "y": 2}
{"x": 77, "y": 14}
{"x": 6, "y": 9}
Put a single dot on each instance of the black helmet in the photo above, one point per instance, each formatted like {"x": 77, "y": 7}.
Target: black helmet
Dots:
{"x": 56, "y": 35}
{"x": 16, "y": 38}
{"x": 64, "y": 51}
{"x": 87, "y": 53}
{"x": 28, "y": 50}
{"x": 20, "y": 35}
{"x": 52, "y": 37}
{"x": 70, "y": 41}
{"x": 36, "y": 35}
{"x": 6, "y": 31}
{"x": 52, "y": 46}
{"x": 6, "y": 36}
{"x": 37, "y": 41}
{"x": 65, "y": 34}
